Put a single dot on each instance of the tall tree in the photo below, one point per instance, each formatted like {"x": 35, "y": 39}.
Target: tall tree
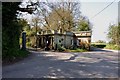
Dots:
{"x": 114, "y": 34}
{"x": 60, "y": 20}
{"x": 36, "y": 25}
{"x": 83, "y": 24}
{"x": 11, "y": 29}
{"x": 67, "y": 12}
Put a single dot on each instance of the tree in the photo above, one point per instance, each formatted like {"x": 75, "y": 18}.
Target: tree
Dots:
{"x": 11, "y": 29}
{"x": 83, "y": 24}
{"x": 24, "y": 25}
{"x": 55, "y": 14}
{"x": 114, "y": 34}
{"x": 100, "y": 41}
{"x": 62, "y": 20}
{"x": 65, "y": 15}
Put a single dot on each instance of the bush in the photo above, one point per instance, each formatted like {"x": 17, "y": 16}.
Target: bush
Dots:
{"x": 15, "y": 54}
{"x": 28, "y": 44}
{"x": 99, "y": 45}
{"x": 60, "y": 48}
{"x": 93, "y": 45}
{"x": 20, "y": 41}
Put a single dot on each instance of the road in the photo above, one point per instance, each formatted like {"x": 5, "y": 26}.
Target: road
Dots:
{"x": 94, "y": 64}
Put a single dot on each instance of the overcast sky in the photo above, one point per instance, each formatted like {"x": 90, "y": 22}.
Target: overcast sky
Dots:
{"x": 100, "y": 22}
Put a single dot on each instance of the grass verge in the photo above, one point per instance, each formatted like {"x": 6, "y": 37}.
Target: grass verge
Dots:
{"x": 76, "y": 50}
{"x": 112, "y": 46}
{"x": 15, "y": 57}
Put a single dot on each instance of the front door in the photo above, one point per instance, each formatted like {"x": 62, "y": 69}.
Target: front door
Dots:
{"x": 48, "y": 42}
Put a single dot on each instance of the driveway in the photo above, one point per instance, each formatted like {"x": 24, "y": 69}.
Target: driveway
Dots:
{"x": 95, "y": 64}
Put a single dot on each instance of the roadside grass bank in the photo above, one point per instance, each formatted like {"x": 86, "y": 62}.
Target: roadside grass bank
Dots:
{"x": 106, "y": 46}
{"x": 62, "y": 49}
{"x": 15, "y": 57}
{"x": 76, "y": 50}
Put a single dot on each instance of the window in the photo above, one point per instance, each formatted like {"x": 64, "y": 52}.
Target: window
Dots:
{"x": 60, "y": 41}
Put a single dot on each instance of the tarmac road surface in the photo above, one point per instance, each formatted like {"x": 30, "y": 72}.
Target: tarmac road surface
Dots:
{"x": 94, "y": 64}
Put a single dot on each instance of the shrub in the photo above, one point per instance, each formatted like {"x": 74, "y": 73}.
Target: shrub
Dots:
{"x": 60, "y": 48}
{"x": 28, "y": 44}
{"x": 99, "y": 45}
{"x": 111, "y": 46}
{"x": 15, "y": 54}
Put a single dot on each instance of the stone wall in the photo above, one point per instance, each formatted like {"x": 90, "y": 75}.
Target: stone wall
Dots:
{"x": 63, "y": 40}
{"x": 68, "y": 40}
{"x": 83, "y": 39}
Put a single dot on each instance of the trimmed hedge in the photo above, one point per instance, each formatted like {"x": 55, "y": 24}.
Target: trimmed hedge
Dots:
{"x": 111, "y": 46}
{"x": 99, "y": 45}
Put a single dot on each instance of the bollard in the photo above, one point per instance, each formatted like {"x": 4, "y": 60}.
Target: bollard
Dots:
{"x": 24, "y": 40}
